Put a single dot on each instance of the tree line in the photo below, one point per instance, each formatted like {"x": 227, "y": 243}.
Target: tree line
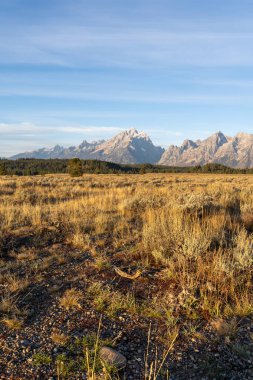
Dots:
{"x": 77, "y": 167}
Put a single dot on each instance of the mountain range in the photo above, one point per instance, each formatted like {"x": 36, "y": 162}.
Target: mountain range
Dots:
{"x": 133, "y": 147}
{"x": 129, "y": 147}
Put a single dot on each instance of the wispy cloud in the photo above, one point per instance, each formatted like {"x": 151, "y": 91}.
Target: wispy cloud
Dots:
{"x": 26, "y": 128}
{"x": 243, "y": 83}
{"x": 126, "y": 35}
{"x": 84, "y": 46}
{"x": 193, "y": 97}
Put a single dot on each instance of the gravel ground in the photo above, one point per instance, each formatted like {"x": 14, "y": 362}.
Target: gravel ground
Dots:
{"x": 208, "y": 357}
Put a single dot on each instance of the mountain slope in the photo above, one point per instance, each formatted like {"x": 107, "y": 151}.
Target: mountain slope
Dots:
{"x": 231, "y": 151}
{"x": 129, "y": 147}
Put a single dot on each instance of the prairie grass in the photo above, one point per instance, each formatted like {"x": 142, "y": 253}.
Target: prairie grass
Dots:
{"x": 71, "y": 299}
{"x": 13, "y": 323}
{"x": 15, "y": 284}
{"x": 189, "y": 234}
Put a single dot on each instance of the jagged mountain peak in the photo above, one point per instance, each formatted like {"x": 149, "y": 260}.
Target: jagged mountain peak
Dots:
{"x": 129, "y": 146}
{"x": 129, "y": 133}
{"x": 231, "y": 151}
{"x": 132, "y": 133}
{"x": 57, "y": 148}
{"x": 188, "y": 144}
{"x": 217, "y": 138}
{"x": 86, "y": 144}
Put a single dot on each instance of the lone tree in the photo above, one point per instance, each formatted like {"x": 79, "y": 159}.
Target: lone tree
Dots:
{"x": 75, "y": 167}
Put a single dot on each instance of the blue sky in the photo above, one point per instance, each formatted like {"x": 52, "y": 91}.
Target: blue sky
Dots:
{"x": 87, "y": 69}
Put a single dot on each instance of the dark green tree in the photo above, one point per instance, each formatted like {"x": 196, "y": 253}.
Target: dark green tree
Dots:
{"x": 75, "y": 167}
{"x": 2, "y": 169}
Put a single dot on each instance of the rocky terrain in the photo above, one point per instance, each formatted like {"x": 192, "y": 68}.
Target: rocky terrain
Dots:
{"x": 53, "y": 339}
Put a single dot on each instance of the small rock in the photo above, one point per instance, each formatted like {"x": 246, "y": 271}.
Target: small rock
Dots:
{"x": 112, "y": 357}
{"x": 25, "y": 343}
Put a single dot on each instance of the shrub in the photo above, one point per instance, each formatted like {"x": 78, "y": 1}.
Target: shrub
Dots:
{"x": 75, "y": 168}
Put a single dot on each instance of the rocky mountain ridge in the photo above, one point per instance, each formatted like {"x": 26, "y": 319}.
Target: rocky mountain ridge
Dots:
{"x": 128, "y": 147}
{"x": 235, "y": 151}
{"x": 133, "y": 147}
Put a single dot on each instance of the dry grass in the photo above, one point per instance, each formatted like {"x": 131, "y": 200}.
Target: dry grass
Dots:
{"x": 194, "y": 230}
{"x": 71, "y": 299}
{"x": 224, "y": 328}
{"x": 13, "y": 323}
{"x": 59, "y": 338}
{"x": 15, "y": 284}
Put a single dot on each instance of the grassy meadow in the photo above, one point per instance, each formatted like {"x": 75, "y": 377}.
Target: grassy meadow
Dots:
{"x": 170, "y": 254}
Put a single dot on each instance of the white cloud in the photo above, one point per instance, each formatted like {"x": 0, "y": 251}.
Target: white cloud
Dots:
{"x": 25, "y": 128}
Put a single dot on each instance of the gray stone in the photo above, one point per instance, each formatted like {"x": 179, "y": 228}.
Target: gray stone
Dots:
{"x": 112, "y": 357}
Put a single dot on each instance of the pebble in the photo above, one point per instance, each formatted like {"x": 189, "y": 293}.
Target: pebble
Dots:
{"x": 112, "y": 357}
{"x": 25, "y": 343}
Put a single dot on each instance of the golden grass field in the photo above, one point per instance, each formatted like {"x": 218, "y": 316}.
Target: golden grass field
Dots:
{"x": 189, "y": 236}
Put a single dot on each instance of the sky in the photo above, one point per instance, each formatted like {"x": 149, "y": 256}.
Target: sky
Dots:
{"x": 87, "y": 69}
